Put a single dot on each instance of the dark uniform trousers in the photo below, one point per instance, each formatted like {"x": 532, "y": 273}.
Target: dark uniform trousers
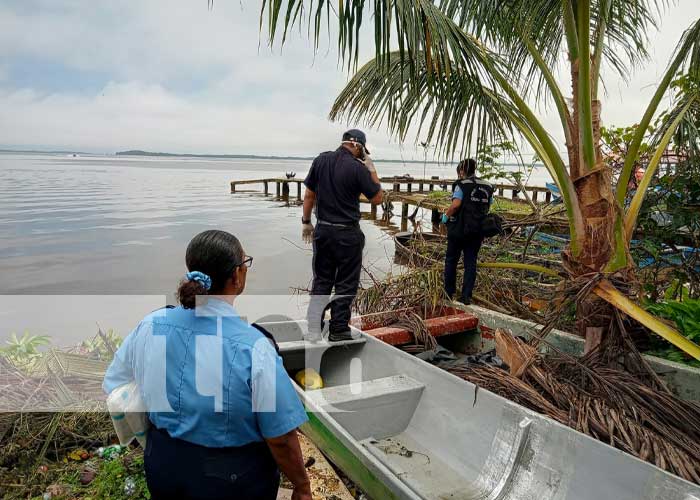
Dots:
{"x": 469, "y": 246}
{"x": 179, "y": 469}
{"x": 337, "y": 263}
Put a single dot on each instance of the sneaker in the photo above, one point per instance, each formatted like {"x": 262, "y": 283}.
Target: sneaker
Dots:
{"x": 341, "y": 336}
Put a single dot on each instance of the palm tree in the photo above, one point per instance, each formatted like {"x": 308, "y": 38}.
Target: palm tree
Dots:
{"x": 459, "y": 71}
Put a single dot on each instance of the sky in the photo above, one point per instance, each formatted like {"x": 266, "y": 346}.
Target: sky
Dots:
{"x": 172, "y": 75}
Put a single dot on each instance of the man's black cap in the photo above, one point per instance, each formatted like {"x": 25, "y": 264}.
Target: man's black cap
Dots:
{"x": 356, "y": 136}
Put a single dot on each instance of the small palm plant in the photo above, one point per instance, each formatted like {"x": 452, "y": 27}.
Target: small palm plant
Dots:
{"x": 24, "y": 350}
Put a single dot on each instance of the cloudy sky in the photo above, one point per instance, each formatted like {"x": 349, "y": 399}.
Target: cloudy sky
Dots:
{"x": 171, "y": 75}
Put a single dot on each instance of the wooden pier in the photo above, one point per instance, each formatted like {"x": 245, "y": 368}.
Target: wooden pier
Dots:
{"x": 401, "y": 190}
{"x": 281, "y": 185}
{"x": 398, "y": 185}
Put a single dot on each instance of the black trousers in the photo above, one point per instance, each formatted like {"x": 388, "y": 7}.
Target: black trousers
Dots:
{"x": 468, "y": 245}
{"x": 337, "y": 264}
{"x": 178, "y": 469}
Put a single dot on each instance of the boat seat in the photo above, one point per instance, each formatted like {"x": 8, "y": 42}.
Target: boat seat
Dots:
{"x": 303, "y": 345}
{"x": 379, "y": 407}
{"x": 300, "y": 354}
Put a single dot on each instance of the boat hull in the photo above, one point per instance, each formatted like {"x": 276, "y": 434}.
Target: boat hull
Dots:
{"x": 402, "y": 428}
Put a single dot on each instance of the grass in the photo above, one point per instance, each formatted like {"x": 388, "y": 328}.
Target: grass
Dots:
{"x": 507, "y": 205}
{"x": 686, "y": 317}
{"x": 62, "y": 479}
{"x": 500, "y": 204}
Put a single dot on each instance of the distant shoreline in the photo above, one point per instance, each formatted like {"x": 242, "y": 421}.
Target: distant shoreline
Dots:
{"x": 137, "y": 152}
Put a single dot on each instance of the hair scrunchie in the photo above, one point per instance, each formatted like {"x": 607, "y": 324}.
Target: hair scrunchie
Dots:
{"x": 200, "y": 278}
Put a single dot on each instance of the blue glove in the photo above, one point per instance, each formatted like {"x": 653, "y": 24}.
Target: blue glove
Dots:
{"x": 444, "y": 218}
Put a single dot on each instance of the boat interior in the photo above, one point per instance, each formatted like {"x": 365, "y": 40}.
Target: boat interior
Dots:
{"x": 437, "y": 436}
{"x": 388, "y": 412}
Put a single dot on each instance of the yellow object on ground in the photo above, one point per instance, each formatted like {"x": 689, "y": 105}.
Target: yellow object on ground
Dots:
{"x": 309, "y": 379}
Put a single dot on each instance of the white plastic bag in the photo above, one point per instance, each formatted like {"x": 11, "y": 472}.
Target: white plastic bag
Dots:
{"x": 128, "y": 414}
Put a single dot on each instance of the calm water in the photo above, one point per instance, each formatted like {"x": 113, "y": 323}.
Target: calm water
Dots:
{"x": 93, "y": 225}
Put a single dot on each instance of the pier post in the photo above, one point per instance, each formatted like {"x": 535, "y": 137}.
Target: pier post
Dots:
{"x": 404, "y": 216}
{"x": 500, "y": 191}
{"x": 432, "y": 185}
{"x": 420, "y": 187}
{"x": 409, "y": 187}
{"x": 548, "y": 196}
{"x": 397, "y": 187}
{"x": 444, "y": 186}
{"x": 534, "y": 195}
{"x": 299, "y": 190}
{"x": 285, "y": 189}
{"x": 277, "y": 189}
{"x": 265, "y": 184}
{"x": 514, "y": 196}
{"x": 233, "y": 187}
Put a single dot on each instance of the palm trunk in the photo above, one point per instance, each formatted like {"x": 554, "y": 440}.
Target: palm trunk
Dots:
{"x": 602, "y": 222}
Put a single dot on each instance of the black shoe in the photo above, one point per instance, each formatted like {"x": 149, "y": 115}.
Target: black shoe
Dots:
{"x": 340, "y": 336}
{"x": 466, "y": 301}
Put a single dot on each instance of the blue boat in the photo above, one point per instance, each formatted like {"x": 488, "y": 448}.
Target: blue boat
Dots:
{"x": 554, "y": 189}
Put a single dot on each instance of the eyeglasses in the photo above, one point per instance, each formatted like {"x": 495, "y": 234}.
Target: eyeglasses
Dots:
{"x": 247, "y": 262}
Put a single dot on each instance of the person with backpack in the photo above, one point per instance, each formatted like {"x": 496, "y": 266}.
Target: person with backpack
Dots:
{"x": 471, "y": 199}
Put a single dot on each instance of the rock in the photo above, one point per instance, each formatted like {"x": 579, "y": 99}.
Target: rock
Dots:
{"x": 57, "y": 490}
{"x": 129, "y": 486}
{"x": 284, "y": 494}
{"x": 87, "y": 475}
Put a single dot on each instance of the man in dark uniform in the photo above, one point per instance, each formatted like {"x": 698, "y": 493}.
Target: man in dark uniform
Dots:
{"x": 334, "y": 184}
{"x": 471, "y": 199}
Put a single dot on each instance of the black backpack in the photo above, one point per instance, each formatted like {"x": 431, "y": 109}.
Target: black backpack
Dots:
{"x": 492, "y": 225}
{"x": 473, "y": 217}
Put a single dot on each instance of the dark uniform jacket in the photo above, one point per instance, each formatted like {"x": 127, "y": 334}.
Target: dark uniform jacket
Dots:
{"x": 476, "y": 200}
{"x": 338, "y": 179}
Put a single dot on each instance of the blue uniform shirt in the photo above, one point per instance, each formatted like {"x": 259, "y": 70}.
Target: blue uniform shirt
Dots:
{"x": 207, "y": 377}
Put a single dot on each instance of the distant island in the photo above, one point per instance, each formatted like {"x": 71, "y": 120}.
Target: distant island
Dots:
{"x": 137, "y": 152}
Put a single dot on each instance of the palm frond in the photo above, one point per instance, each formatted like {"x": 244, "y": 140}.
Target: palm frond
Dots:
{"x": 505, "y": 26}
{"x": 415, "y": 28}
{"x": 451, "y": 111}
{"x": 663, "y": 137}
{"x": 685, "y": 60}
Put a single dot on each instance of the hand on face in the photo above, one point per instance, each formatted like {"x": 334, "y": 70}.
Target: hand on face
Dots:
{"x": 369, "y": 163}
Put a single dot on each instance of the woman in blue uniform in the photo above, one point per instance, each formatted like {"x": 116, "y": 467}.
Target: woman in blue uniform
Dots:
{"x": 223, "y": 411}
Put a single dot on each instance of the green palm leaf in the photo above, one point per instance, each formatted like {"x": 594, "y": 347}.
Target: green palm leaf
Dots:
{"x": 452, "y": 111}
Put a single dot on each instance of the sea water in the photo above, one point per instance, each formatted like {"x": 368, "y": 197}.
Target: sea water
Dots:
{"x": 116, "y": 228}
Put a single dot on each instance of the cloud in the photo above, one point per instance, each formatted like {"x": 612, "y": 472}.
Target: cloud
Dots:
{"x": 172, "y": 75}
